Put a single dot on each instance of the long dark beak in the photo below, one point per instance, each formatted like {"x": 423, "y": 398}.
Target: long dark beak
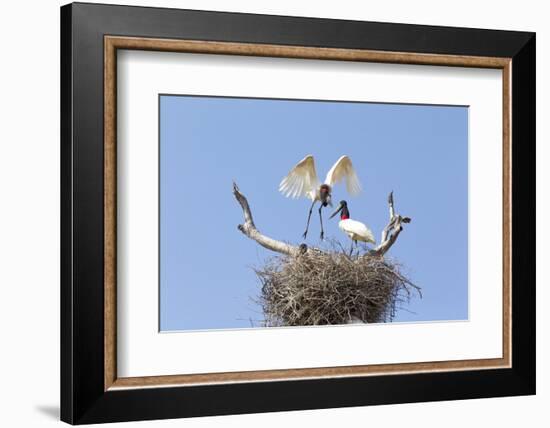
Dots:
{"x": 337, "y": 210}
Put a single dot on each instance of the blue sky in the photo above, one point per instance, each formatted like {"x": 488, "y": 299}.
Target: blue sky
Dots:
{"x": 420, "y": 152}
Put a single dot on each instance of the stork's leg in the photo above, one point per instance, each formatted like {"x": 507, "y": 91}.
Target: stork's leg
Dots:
{"x": 308, "y": 218}
{"x": 321, "y": 218}
{"x": 351, "y": 248}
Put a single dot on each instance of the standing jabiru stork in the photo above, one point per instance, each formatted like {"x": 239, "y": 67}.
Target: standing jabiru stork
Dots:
{"x": 302, "y": 181}
{"x": 356, "y": 230}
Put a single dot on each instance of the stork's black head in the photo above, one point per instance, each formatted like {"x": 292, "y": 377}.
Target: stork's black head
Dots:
{"x": 343, "y": 209}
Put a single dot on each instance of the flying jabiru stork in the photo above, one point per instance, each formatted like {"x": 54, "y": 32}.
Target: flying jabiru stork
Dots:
{"x": 302, "y": 181}
{"x": 356, "y": 230}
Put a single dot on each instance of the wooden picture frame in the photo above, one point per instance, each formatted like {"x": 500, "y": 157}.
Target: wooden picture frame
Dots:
{"x": 91, "y": 390}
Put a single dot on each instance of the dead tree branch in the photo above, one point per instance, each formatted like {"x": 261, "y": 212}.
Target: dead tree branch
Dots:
{"x": 391, "y": 231}
{"x": 248, "y": 228}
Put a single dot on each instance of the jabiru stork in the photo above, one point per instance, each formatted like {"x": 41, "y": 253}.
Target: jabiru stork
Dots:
{"x": 356, "y": 230}
{"x": 302, "y": 181}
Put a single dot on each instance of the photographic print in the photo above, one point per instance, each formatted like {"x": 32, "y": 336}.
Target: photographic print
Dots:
{"x": 291, "y": 213}
{"x": 232, "y": 203}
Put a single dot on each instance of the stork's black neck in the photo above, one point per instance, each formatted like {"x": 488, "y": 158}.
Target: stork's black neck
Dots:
{"x": 344, "y": 215}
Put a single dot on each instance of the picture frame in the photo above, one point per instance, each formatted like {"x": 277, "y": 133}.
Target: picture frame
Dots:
{"x": 91, "y": 390}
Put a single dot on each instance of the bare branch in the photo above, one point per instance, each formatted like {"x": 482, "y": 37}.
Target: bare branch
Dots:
{"x": 248, "y": 228}
{"x": 241, "y": 199}
{"x": 391, "y": 231}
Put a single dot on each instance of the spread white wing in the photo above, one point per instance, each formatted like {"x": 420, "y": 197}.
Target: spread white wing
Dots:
{"x": 344, "y": 168}
{"x": 301, "y": 180}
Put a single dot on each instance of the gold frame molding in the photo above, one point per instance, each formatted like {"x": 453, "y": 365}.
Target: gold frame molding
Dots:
{"x": 113, "y": 43}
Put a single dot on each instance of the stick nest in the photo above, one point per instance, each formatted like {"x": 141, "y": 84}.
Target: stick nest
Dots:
{"x": 324, "y": 288}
